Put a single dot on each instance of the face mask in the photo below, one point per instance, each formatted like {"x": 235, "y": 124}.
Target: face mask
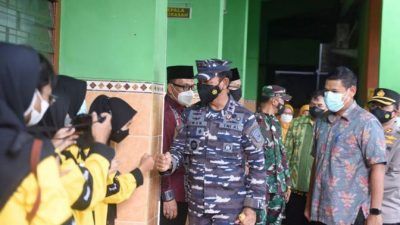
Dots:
{"x": 82, "y": 109}
{"x": 236, "y": 94}
{"x": 35, "y": 115}
{"x": 185, "y": 98}
{"x": 382, "y": 115}
{"x": 334, "y": 101}
{"x": 281, "y": 109}
{"x": 286, "y": 118}
{"x": 208, "y": 93}
{"x": 316, "y": 112}
{"x": 119, "y": 136}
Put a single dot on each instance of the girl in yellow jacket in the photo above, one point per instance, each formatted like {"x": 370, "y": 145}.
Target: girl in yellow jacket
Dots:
{"x": 84, "y": 174}
{"x": 31, "y": 189}
{"x": 120, "y": 186}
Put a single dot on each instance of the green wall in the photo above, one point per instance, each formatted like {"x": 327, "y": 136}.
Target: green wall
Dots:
{"x": 199, "y": 37}
{"x": 108, "y": 39}
{"x": 389, "y": 74}
{"x": 253, "y": 50}
{"x": 235, "y": 34}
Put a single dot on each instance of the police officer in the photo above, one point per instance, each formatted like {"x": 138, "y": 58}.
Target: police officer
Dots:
{"x": 385, "y": 106}
{"x": 272, "y": 102}
{"x": 217, "y": 138}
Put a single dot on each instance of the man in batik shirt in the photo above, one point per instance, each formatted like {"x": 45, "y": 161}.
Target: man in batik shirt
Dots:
{"x": 349, "y": 159}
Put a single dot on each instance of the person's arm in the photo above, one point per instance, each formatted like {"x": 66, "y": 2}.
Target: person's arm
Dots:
{"x": 289, "y": 144}
{"x": 121, "y": 186}
{"x": 169, "y": 162}
{"x": 373, "y": 147}
{"x": 167, "y": 194}
{"x": 376, "y": 183}
{"x": 307, "y": 210}
{"x": 253, "y": 143}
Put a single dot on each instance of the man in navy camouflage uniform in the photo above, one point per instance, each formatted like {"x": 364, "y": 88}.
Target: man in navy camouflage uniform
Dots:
{"x": 278, "y": 177}
{"x": 218, "y": 138}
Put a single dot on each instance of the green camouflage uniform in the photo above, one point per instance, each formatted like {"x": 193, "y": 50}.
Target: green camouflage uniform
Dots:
{"x": 278, "y": 176}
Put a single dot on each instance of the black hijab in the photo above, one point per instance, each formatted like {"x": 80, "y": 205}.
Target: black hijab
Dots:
{"x": 121, "y": 111}
{"x": 70, "y": 93}
{"x": 19, "y": 76}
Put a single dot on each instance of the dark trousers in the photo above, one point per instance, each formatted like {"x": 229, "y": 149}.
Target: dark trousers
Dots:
{"x": 360, "y": 220}
{"x": 295, "y": 210}
{"x": 180, "y": 219}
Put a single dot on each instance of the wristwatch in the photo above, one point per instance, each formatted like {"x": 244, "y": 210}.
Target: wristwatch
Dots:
{"x": 375, "y": 211}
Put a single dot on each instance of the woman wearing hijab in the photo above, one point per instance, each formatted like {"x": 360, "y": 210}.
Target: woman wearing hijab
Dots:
{"x": 31, "y": 189}
{"x": 304, "y": 110}
{"x": 120, "y": 186}
{"x": 286, "y": 119}
{"x": 86, "y": 179}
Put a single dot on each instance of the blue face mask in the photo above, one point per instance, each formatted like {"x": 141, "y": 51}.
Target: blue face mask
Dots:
{"x": 334, "y": 101}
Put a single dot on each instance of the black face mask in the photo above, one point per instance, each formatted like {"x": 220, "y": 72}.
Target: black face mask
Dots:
{"x": 316, "y": 112}
{"x": 119, "y": 136}
{"x": 236, "y": 94}
{"x": 208, "y": 93}
{"x": 281, "y": 109}
{"x": 382, "y": 115}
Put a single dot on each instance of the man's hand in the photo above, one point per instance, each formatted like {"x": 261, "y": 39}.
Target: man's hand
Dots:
{"x": 163, "y": 162}
{"x": 146, "y": 163}
{"x": 247, "y": 217}
{"x": 374, "y": 220}
{"x": 64, "y": 138}
{"x": 170, "y": 209}
{"x": 101, "y": 131}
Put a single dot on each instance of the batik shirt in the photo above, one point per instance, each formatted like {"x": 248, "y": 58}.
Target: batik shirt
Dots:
{"x": 299, "y": 141}
{"x": 345, "y": 148}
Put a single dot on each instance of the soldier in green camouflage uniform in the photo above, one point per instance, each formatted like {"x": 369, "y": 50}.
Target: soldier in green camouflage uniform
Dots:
{"x": 278, "y": 176}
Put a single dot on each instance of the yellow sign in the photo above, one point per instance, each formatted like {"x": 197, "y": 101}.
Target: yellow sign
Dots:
{"x": 174, "y": 12}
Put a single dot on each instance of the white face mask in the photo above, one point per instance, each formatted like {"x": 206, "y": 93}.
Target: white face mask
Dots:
{"x": 334, "y": 101}
{"x": 82, "y": 109}
{"x": 35, "y": 115}
{"x": 286, "y": 118}
{"x": 185, "y": 98}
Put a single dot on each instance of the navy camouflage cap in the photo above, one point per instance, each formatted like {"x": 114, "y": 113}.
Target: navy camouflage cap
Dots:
{"x": 275, "y": 91}
{"x": 210, "y": 68}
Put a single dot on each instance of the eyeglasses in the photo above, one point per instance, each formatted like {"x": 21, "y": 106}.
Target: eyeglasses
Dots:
{"x": 186, "y": 87}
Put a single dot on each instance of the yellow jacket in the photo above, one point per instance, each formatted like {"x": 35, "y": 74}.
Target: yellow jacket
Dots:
{"x": 89, "y": 176}
{"x": 120, "y": 187}
{"x": 53, "y": 208}
{"x": 106, "y": 188}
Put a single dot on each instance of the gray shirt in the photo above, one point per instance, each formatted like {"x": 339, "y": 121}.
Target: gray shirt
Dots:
{"x": 391, "y": 197}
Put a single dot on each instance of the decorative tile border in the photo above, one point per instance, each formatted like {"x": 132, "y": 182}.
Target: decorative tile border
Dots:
{"x": 125, "y": 86}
